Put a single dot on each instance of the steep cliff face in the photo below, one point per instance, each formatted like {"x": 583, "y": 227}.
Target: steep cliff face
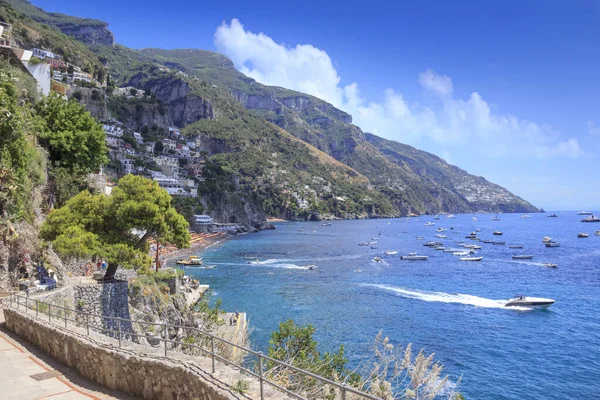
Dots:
{"x": 87, "y": 32}
{"x": 183, "y": 105}
{"x": 94, "y": 101}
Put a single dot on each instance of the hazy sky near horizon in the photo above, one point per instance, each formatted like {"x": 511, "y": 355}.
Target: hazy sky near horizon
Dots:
{"x": 506, "y": 90}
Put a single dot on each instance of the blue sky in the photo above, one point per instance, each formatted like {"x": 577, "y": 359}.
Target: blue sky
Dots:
{"x": 507, "y": 90}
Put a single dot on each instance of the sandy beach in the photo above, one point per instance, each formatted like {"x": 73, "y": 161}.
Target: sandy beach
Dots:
{"x": 198, "y": 241}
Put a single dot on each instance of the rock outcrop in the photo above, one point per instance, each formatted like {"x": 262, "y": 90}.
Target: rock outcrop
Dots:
{"x": 96, "y": 33}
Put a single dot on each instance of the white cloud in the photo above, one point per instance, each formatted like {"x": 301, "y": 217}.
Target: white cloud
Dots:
{"x": 449, "y": 121}
{"x": 439, "y": 85}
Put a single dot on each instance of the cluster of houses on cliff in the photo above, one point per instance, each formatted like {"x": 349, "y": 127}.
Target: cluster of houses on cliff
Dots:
{"x": 175, "y": 163}
{"x": 44, "y": 65}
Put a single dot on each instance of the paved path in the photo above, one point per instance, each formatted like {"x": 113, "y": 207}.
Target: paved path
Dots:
{"x": 28, "y": 374}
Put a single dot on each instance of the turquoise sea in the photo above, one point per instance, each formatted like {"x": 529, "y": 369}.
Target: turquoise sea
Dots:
{"x": 450, "y": 307}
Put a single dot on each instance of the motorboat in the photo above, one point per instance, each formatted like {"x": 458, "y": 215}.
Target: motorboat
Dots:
{"x": 487, "y": 241}
{"x": 499, "y": 243}
{"x": 582, "y": 235}
{"x": 591, "y": 218}
{"x": 477, "y": 230}
{"x": 432, "y": 244}
{"x": 450, "y": 216}
{"x": 326, "y": 224}
{"x": 420, "y": 238}
{"x": 585, "y": 213}
{"x": 210, "y": 266}
{"x": 471, "y": 258}
{"x": 550, "y": 265}
{"x": 429, "y": 223}
{"x": 552, "y": 216}
{"x": 473, "y": 247}
{"x": 546, "y": 239}
{"x": 597, "y": 233}
{"x": 522, "y": 257}
{"x": 463, "y": 253}
{"x": 440, "y": 248}
{"x": 441, "y": 230}
{"x": 254, "y": 262}
{"x": 391, "y": 253}
{"x": 529, "y": 302}
{"x": 525, "y": 216}
{"x": 552, "y": 244}
{"x": 440, "y": 236}
{"x": 364, "y": 243}
{"x": 474, "y": 219}
{"x": 496, "y": 219}
{"x": 498, "y": 233}
{"x": 516, "y": 246}
{"x": 414, "y": 257}
{"x": 191, "y": 260}
{"x": 377, "y": 259}
{"x": 373, "y": 245}
{"x": 250, "y": 257}
{"x": 436, "y": 217}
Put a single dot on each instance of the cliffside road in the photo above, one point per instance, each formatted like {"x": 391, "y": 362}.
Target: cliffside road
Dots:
{"x": 27, "y": 374}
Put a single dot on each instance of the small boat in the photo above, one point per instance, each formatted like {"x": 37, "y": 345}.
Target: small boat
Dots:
{"x": 210, "y": 266}
{"x": 497, "y": 233}
{"x": 436, "y": 217}
{"x": 522, "y": 257}
{"x": 462, "y": 253}
{"x": 420, "y": 238}
{"x": 474, "y": 219}
{"x": 473, "y": 247}
{"x": 326, "y": 224}
{"x": 546, "y": 239}
{"x": 525, "y": 216}
{"x": 364, "y": 243}
{"x": 441, "y": 230}
{"x": 582, "y": 235}
{"x": 254, "y": 262}
{"x": 414, "y": 256}
{"x": 432, "y": 244}
{"x": 250, "y": 257}
{"x": 311, "y": 267}
{"x": 585, "y": 213}
{"x": 477, "y": 230}
{"x": 498, "y": 243}
{"x": 374, "y": 238}
{"x": 191, "y": 260}
{"x": 530, "y": 302}
{"x": 471, "y": 258}
{"x": 552, "y": 216}
{"x": 429, "y": 223}
{"x": 597, "y": 233}
{"x": 377, "y": 259}
{"x": 391, "y": 253}
{"x": 591, "y": 218}
{"x": 440, "y": 248}
{"x": 440, "y": 236}
{"x": 550, "y": 265}
{"x": 450, "y": 216}
{"x": 516, "y": 246}
{"x": 487, "y": 241}
{"x": 374, "y": 246}
{"x": 495, "y": 219}
{"x": 552, "y": 244}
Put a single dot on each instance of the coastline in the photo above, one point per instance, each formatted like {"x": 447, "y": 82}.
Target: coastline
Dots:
{"x": 199, "y": 242}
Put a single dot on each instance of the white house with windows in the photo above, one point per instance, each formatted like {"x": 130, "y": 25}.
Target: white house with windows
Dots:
{"x": 169, "y": 144}
{"x": 128, "y": 165}
{"x": 41, "y": 53}
{"x": 138, "y": 137}
{"x": 114, "y": 142}
{"x": 176, "y": 187}
{"x": 113, "y": 130}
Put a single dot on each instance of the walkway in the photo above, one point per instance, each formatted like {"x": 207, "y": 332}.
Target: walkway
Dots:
{"x": 28, "y": 374}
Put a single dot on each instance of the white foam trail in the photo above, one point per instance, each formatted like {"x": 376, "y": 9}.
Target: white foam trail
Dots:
{"x": 442, "y": 297}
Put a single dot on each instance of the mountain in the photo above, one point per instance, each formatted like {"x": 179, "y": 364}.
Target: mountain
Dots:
{"x": 415, "y": 181}
{"x": 267, "y": 148}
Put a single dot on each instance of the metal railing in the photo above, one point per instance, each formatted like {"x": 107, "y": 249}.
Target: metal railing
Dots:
{"x": 62, "y": 316}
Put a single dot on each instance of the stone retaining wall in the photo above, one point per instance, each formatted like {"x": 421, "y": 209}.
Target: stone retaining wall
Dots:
{"x": 130, "y": 370}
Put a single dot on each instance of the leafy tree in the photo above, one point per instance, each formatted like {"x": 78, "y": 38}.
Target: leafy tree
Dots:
{"x": 119, "y": 225}
{"x": 74, "y": 139}
{"x": 70, "y": 69}
{"x": 159, "y": 147}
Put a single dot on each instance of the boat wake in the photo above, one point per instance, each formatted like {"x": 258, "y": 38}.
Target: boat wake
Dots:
{"x": 442, "y": 297}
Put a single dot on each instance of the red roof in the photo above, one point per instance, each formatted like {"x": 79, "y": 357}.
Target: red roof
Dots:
{"x": 127, "y": 145}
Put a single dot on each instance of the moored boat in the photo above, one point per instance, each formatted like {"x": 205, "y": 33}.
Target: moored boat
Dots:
{"x": 498, "y": 243}
{"x": 550, "y": 265}
{"x": 591, "y": 218}
{"x": 522, "y": 257}
{"x": 498, "y": 233}
{"x": 471, "y": 258}
{"x": 585, "y": 213}
{"x": 597, "y": 233}
{"x": 582, "y": 235}
{"x": 552, "y": 216}
{"x": 191, "y": 261}
{"x": 414, "y": 256}
{"x": 391, "y": 253}
{"x": 546, "y": 239}
{"x": 529, "y": 302}
{"x": 525, "y": 216}
{"x": 496, "y": 219}
{"x": 429, "y": 223}
{"x": 516, "y": 246}
{"x": 552, "y": 244}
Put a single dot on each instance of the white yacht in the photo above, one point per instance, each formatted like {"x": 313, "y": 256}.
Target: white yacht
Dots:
{"x": 552, "y": 244}
{"x": 529, "y": 302}
{"x": 440, "y": 236}
{"x": 474, "y": 219}
{"x": 546, "y": 239}
{"x": 377, "y": 259}
{"x": 420, "y": 237}
{"x": 391, "y": 253}
{"x": 450, "y": 216}
{"x": 471, "y": 258}
{"x": 525, "y": 216}
{"x": 584, "y": 213}
{"x": 441, "y": 230}
{"x": 429, "y": 223}
{"x": 582, "y": 235}
{"x": 414, "y": 256}
{"x": 597, "y": 233}
{"x": 310, "y": 267}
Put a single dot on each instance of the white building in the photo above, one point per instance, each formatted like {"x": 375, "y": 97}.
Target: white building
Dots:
{"x": 150, "y": 147}
{"x": 138, "y": 137}
{"x": 169, "y": 144}
{"x": 81, "y": 76}
{"x": 114, "y": 142}
{"x": 41, "y": 53}
{"x": 166, "y": 160}
{"x": 57, "y": 75}
{"x": 175, "y": 187}
{"x": 203, "y": 219}
{"x": 113, "y": 130}
{"x": 128, "y": 166}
